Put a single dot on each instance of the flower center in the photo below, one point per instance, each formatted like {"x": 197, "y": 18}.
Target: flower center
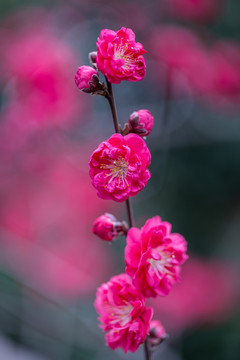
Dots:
{"x": 118, "y": 169}
{"x": 123, "y": 51}
{"x": 162, "y": 266}
{"x": 121, "y": 314}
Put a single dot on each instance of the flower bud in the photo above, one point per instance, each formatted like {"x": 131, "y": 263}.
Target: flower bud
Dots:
{"x": 140, "y": 123}
{"x": 86, "y": 79}
{"x": 107, "y": 227}
{"x": 93, "y": 58}
{"x": 157, "y": 333}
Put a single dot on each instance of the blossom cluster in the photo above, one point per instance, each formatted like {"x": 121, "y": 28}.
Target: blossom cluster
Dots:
{"x": 153, "y": 257}
{"x": 119, "y": 169}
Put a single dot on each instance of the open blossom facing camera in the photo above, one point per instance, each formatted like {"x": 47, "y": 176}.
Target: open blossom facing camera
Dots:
{"x": 119, "y": 56}
{"x": 119, "y": 167}
{"x": 123, "y": 314}
{"x": 153, "y": 256}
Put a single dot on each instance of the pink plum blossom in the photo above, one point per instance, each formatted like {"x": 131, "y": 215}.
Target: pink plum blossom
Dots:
{"x": 141, "y": 122}
{"x": 195, "y": 10}
{"x": 107, "y": 227}
{"x": 119, "y": 56}
{"x": 119, "y": 167}
{"x": 84, "y": 78}
{"x": 153, "y": 257}
{"x": 123, "y": 314}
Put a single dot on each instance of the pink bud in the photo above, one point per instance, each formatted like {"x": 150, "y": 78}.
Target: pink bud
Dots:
{"x": 86, "y": 78}
{"x": 157, "y": 333}
{"x": 141, "y": 122}
{"x": 107, "y": 227}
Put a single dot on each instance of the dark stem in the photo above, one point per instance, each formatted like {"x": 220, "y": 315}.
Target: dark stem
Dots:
{"x": 129, "y": 212}
{"x": 112, "y": 104}
{"x": 147, "y": 351}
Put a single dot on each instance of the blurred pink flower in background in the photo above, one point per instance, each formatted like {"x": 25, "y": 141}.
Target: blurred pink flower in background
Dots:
{"x": 224, "y": 90}
{"x": 38, "y": 68}
{"x": 195, "y": 10}
{"x": 179, "y": 50}
{"x": 45, "y": 220}
{"x": 208, "y": 292}
{"x": 47, "y": 209}
{"x": 212, "y": 72}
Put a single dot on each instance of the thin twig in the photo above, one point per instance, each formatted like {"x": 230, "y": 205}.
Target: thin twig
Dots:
{"x": 130, "y": 213}
{"x": 147, "y": 351}
{"x": 113, "y": 107}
